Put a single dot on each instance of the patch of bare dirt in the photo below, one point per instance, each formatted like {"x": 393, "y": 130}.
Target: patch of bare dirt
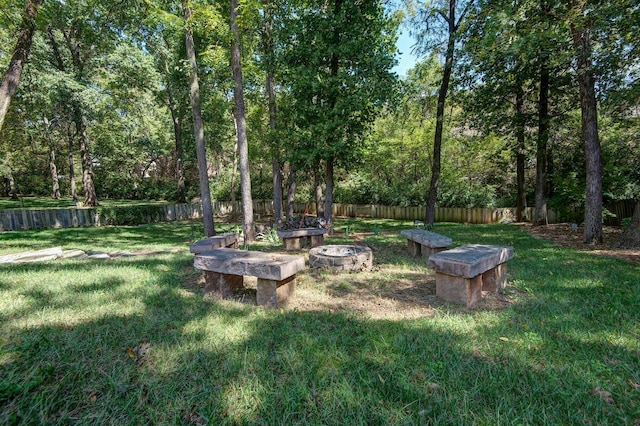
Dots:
{"x": 385, "y": 292}
{"x": 564, "y": 235}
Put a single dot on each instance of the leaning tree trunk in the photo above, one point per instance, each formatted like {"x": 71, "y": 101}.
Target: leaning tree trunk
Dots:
{"x": 430, "y": 214}
{"x": 12, "y": 75}
{"x": 198, "y": 127}
{"x": 243, "y": 148}
{"x": 540, "y": 215}
{"x": 630, "y": 238}
{"x": 592, "y": 149}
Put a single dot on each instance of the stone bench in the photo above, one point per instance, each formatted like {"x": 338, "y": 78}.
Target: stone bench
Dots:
{"x": 425, "y": 243}
{"x": 224, "y": 269}
{"x": 291, "y": 239}
{"x": 463, "y": 273}
{"x": 229, "y": 240}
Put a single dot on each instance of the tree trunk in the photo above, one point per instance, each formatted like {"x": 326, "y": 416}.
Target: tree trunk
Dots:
{"x": 630, "y": 238}
{"x": 291, "y": 193}
{"x": 328, "y": 201}
{"x": 234, "y": 173}
{"x": 177, "y": 135}
{"x": 90, "y": 196}
{"x": 334, "y": 67}
{"x": 72, "y": 171}
{"x": 53, "y": 171}
{"x": 198, "y": 127}
{"x": 13, "y": 191}
{"x": 540, "y": 216}
{"x": 521, "y": 203}
{"x": 243, "y": 146}
{"x": 11, "y": 78}
{"x": 318, "y": 185}
{"x": 592, "y": 149}
{"x": 430, "y": 214}
{"x": 276, "y": 164}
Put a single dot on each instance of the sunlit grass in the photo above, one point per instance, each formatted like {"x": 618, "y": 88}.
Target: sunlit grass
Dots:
{"x": 132, "y": 341}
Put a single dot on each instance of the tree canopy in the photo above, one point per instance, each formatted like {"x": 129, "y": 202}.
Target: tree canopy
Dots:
{"x": 102, "y": 108}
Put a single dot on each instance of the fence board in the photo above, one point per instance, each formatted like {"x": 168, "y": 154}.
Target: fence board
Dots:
{"x": 22, "y": 219}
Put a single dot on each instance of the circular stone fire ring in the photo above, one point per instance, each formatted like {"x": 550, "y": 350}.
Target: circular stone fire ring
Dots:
{"x": 341, "y": 258}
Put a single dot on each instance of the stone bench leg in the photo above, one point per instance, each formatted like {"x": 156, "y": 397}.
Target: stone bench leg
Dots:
{"x": 272, "y": 293}
{"x": 428, "y": 251}
{"x": 495, "y": 279}
{"x": 413, "y": 248}
{"x": 221, "y": 286}
{"x": 291, "y": 243}
{"x": 459, "y": 289}
{"x": 317, "y": 240}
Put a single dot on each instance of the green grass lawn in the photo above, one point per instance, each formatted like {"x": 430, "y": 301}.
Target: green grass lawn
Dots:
{"x": 132, "y": 341}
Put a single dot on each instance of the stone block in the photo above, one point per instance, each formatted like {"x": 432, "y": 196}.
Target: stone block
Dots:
{"x": 229, "y": 240}
{"x": 470, "y": 260}
{"x": 455, "y": 289}
{"x": 220, "y": 286}
{"x": 272, "y": 293}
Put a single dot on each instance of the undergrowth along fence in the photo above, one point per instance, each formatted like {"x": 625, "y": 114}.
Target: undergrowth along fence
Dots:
{"x": 24, "y": 219}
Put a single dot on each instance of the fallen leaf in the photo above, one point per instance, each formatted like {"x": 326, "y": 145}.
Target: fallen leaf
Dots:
{"x": 93, "y": 395}
{"x": 131, "y": 353}
{"x": 603, "y": 395}
{"x": 634, "y": 384}
{"x": 504, "y": 339}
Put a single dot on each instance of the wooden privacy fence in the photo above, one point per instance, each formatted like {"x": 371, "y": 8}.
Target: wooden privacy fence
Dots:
{"x": 23, "y": 219}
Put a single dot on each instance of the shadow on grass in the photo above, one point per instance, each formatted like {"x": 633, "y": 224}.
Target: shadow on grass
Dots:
{"x": 136, "y": 345}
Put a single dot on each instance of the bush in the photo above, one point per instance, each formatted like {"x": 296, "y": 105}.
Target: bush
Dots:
{"x": 130, "y": 215}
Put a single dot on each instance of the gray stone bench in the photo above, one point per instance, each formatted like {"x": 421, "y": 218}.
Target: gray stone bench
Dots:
{"x": 229, "y": 240}
{"x": 463, "y": 273}
{"x": 224, "y": 269}
{"x": 425, "y": 243}
{"x": 291, "y": 239}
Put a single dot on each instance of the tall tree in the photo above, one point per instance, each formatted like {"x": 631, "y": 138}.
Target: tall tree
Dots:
{"x": 198, "y": 125}
{"x": 11, "y": 78}
{"x": 449, "y": 14}
{"x": 241, "y": 128}
{"x": 540, "y": 213}
{"x": 581, "y": 35}
{"x": 337, "y": 60}
{"x": 268, "y": 51}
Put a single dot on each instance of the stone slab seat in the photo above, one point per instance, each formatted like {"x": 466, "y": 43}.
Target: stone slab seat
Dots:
{"x": 464, "y": 272}
{"x": 224, "y": 270}
{"x": 291, "y": 238}
{"x": 229, "y": 239}
{"x": 425, "y": 243}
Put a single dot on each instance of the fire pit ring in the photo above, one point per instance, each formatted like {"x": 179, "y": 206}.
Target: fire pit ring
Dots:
{"x": 341, "y": 257}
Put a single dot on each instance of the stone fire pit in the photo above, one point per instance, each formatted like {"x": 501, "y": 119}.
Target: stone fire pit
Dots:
{"x": 341, "y": 257}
